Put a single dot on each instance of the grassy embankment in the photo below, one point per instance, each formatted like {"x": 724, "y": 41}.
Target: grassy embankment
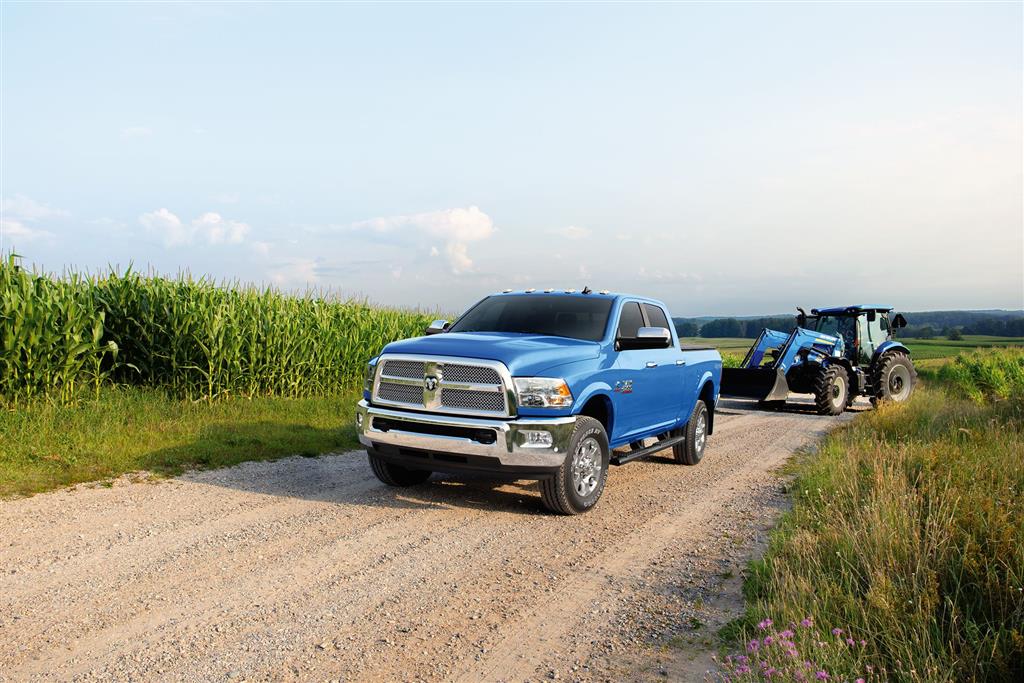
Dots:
{"x": 104, "y": 375}
{"x": 903, "y": 556}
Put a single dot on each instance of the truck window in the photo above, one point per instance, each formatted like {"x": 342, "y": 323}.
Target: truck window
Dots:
{"x": 656, "y": 317}
{"x": 631, "y": 320}
{"x": 576, "y": 317}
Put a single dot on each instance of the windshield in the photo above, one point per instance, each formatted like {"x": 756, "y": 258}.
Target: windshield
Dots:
{"x": 842, "y": 326}
{"x": 576, "y": 317}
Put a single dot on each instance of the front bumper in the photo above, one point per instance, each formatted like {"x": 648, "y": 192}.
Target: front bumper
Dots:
{"x": 447, "y": 442}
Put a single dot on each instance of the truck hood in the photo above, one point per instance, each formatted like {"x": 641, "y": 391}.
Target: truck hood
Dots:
{"x": 525, "y": 355}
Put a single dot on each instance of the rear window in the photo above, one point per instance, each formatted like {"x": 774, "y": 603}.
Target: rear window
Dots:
{"x": 575, "y": 317}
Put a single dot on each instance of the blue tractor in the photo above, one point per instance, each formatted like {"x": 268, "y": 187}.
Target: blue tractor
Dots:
{"x": 836, "y": 354}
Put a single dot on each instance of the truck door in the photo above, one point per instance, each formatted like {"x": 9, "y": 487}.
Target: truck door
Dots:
{"x": 642, "y": 381}
{"x": 669, "y": 374}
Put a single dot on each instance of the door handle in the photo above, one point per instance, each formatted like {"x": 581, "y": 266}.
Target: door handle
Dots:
{"x": 652, "y": 365}
{"x": 680, "y": 362}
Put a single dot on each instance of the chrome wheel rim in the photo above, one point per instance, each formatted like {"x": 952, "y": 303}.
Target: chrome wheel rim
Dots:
{"x": 700, "y": 432}
{"x": 586, "y": 466}
{"x": 899, "y": 383}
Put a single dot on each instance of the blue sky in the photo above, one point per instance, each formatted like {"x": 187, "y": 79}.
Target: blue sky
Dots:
{"x": 729, "y": 159}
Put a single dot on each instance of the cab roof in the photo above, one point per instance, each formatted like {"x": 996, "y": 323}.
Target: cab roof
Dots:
{"x": 854, "y": 308}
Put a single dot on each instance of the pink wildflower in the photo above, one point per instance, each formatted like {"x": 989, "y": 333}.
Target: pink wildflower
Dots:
{"x": 765, "y": 624}
{"x": 837, "y": 631}
{"x": 821, "y": 675}
{"x": 807, "y": 622}
{"x": 753, "y": 645}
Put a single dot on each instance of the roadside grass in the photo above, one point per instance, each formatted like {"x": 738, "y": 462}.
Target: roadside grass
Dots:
{"x": 907, "y": 537}
{"x": 46, "y": 445}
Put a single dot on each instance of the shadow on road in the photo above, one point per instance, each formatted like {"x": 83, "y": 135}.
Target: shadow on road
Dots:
{"x": 330, "y": 468}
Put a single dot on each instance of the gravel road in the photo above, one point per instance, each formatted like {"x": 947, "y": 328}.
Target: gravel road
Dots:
{"x": 309, "y": 569}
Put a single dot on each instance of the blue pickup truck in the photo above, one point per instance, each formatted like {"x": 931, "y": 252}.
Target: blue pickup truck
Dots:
{"x": 551, "y": 385}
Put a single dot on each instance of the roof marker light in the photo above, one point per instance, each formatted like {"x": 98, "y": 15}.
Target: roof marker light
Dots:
{"x": 603, "y": 291}
{"x": 531, "y": 290}
{"x": 570, "y": 291}
{"x": 548, "y": 290}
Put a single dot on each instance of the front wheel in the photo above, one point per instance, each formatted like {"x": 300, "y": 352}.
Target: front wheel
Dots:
{"x": 831, "y": 390}
{"x": 690, "y": 451}
{"x": 395, "y": 475}
{"x": 579, "y": 482}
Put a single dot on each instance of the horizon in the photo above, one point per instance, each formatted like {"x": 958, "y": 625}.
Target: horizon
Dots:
{"x": 723, "y": 159}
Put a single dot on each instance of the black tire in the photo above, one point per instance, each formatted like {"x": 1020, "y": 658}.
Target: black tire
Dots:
{"x": 894, "y": 378}
{"x": 831, "y": 390}
{"x": 579, "y": 482}
{"x": 395, "y": 475}
{"x": 690, "y": 451}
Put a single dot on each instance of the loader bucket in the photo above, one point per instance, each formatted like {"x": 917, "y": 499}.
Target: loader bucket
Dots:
{"x": 764, "y": 384}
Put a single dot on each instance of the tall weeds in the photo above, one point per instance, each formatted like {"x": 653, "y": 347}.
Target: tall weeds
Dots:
{"x": 908, "y": 531}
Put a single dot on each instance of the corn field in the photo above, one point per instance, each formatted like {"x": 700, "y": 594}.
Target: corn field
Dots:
{"x": 60, "y": 337}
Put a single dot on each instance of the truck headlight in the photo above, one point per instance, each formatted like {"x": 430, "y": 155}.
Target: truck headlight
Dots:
{"x": 542, "y": 392}
{"x": 368, "y": 378}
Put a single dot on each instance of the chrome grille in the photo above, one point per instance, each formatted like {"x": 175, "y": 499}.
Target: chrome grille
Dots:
{"x": 400, "y": 393}
{"x": 464, "y": 387}
{"x": 490, "y": 401}
{"x": 410, "y": 369}
{"x": 471, "y": 374}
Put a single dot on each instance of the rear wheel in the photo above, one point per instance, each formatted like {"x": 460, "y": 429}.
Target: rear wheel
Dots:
{"x": 895, "y": 378}
{"x": 579, "y": 482}
{"x": 831, "y": 390}
{"x": 690, "y": 451}
{"x": 395, "y": 475}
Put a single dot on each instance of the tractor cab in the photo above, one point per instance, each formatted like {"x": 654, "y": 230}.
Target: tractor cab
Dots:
{"x": 862, "y": 329}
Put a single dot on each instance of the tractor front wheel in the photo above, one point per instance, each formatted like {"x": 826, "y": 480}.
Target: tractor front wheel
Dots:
{"x": 831, "y": 390}
{"x": 895, "y": 378}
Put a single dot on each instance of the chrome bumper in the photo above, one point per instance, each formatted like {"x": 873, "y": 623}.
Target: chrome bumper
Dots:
{"x": 510, "y": 447}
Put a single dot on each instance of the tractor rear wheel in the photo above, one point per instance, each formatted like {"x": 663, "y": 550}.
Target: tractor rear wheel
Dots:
{"x": 895, "y": 378}
{"x": 831, "y": 390}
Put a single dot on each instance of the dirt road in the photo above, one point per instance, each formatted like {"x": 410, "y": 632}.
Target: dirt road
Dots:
{"x": 308, "y": 568}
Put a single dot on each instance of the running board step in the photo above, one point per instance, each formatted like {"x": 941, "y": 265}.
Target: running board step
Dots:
{"x": 650, "y": 450}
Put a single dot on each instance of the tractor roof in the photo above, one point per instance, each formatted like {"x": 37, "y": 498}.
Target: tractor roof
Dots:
{"x": 855, "y": 308}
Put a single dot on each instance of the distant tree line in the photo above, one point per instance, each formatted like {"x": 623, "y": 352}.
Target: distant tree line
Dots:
{"x": 923, "y": 325}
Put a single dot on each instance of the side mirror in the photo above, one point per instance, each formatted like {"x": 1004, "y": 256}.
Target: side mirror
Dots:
{"x": 646, "y": 338}
{"x": 438, "y": 326}
{"x": 801, "y": 318}
{"x": 899, "y": 321}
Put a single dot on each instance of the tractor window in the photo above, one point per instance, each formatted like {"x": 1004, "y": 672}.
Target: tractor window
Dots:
{"x": 630, "y": 320}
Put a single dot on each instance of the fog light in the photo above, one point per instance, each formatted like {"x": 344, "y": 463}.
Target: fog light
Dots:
{"x": 359, "y": 419}
{"x": 535, "y": 439}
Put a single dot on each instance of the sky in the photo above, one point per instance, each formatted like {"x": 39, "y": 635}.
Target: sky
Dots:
{"x": 729, "y": 159}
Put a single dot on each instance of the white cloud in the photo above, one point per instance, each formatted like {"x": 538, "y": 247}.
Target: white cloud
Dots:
{"x": 135, "y": 132}
{"x": 262, "y": 248}
{"x": 22, "y": 208}
{"x": 458, "y": 227}
{"x": 16, "y": 230}
{"x": 299, "y": 272}
{"x": 211, "y": 228}
{"x": 218, "y": 230}
{"x": 573, "y": 232}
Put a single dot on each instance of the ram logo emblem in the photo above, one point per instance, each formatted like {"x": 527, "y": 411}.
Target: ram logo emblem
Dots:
{"x": 430, "y": 383}
{"x": 624, "y": 386}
